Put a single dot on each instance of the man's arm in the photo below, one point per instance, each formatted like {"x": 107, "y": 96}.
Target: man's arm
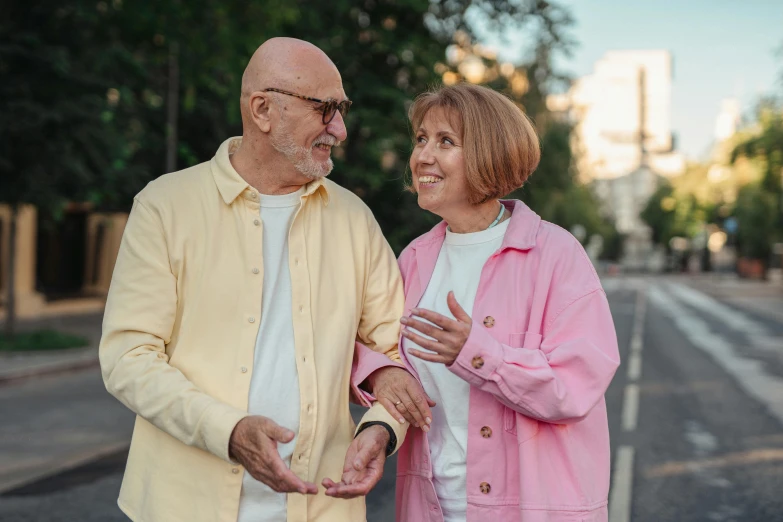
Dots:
{"x": 138, "y": 321}
{"x": 379, "y": 332}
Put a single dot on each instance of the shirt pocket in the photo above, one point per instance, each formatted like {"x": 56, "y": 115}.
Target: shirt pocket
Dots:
{"x": 524, "y": 427}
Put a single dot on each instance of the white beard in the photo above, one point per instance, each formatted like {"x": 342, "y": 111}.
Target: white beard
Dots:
{"x": 301, "y": 157}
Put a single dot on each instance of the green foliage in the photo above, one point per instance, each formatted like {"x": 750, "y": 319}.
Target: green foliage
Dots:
{"x": 85, "y": 115}
{"x": 41, "y": 340}
{"x": 758, "y": 221}
{"x": 673, "y": 214}
{"x": 759, "y": 206}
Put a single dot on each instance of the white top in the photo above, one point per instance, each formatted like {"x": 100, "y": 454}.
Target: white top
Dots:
{"x": 274, "y": 387}
{"x": 458, "y": 269}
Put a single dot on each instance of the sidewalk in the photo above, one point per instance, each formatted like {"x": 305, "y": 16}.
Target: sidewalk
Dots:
{"x": 15, "y": 367}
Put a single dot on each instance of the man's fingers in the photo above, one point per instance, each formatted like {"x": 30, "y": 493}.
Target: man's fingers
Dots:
{"x": 359, "y": 488}
{"x": 277, "y": 432}
{"x": 287, "y": 479}
{"x": 363, "y": 457}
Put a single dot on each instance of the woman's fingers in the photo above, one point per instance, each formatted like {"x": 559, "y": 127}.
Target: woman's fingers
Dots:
{"x": 425, "y": 328}
{"x": 429, "y": 356}
{"x": 440, "y": 320}
{"x": 434, "y": 346}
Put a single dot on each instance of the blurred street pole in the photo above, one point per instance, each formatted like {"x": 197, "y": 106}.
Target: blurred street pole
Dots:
{"x": 173, "y": 108}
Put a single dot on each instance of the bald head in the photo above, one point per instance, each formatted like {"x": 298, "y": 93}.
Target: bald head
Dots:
{"x": 289, "y": 64}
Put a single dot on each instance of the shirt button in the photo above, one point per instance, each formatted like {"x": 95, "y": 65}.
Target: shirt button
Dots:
{"x": 255, "y": 270}
{"x": 243, "y": 370}
{"x": 304, "y": 359}
{"x": 251, "y": 319}
{"x": 256, "y": 222}
{"x": 301, "y": 308}
{"x": 235, "y": 470}
{"x": 489, "y": 321}
{"x": 486, "y": 432}
{"x": 296, "y": 261}
{"x": 485, "y": 487}
{"x": 253, "y": 195}
{"x": 477, "y": 362}
{"x": 309, "y": 408}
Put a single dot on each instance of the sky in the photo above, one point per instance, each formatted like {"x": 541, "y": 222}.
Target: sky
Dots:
{"x": 720, "y": 49}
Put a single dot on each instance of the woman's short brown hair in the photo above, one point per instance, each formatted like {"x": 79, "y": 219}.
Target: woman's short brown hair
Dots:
{"x": 499, "y": 144}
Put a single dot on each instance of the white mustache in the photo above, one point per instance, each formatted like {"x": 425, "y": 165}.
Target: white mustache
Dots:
{"x": 327, "y": 140}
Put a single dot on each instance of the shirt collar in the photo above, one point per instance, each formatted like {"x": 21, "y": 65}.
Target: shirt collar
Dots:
{"x": 230, "y": 184}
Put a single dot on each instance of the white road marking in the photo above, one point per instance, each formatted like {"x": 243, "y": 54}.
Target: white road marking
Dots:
{"x": 635, "y": 366}
{"x": 748, "y": 373}
{"x": 621, "y": 495}
{"x": 630, "y": 407}
{"x": 756, "y": 332}
{"x": 622, "y": 486}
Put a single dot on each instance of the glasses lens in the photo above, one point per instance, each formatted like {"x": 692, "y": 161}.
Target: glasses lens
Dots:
{"x": 343, "y": 108}
{"x": 330, "y": 108}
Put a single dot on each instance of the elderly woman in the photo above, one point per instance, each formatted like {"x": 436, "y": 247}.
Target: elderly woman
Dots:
{"x": 507, "y": 327}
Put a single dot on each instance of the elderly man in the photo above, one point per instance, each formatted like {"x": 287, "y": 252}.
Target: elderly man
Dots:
{"x": 251, "y": 297}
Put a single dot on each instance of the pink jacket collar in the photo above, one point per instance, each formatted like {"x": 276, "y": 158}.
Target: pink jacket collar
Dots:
{"x": 521, "y": 234}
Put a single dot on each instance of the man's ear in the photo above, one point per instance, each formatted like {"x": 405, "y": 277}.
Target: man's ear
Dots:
{"x": 261, "y": 110}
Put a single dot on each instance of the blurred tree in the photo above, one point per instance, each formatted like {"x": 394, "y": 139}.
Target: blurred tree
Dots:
{"x": 89, "y": 113}
{"x": 759, "y": 206}
{"x": 55, "y": 136}
{"x": 672, "y": 213}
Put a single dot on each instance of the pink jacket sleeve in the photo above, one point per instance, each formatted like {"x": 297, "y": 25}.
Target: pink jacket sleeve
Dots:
{"x": 558, "y": 377}
{"x": 366, "y": 361}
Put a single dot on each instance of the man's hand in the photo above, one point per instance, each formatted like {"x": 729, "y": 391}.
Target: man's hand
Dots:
{"x": 363, "y": 467}
{"x": 402, "y": 396}
{"x": 254, "y": 445}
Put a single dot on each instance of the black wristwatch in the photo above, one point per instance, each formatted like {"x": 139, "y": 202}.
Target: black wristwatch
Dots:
{"x": 392, "y": 437}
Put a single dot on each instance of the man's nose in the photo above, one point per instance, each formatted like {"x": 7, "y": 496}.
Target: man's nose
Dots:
{"x": 336, "y": 127}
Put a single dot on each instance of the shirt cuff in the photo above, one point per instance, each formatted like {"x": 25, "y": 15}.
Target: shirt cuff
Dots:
{"x": 220, "y": 421}
{"x": 392, "y": 444}
{"x": 479, "y": 358}
{"x": 379, "y": 414}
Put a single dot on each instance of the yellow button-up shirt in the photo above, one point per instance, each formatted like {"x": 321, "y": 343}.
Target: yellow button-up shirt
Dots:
{"x": 180, "y": 328}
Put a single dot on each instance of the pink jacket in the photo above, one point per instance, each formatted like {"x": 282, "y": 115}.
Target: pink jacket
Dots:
{"x": 540, "y": 356}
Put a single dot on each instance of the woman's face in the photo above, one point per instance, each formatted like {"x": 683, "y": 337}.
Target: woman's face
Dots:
{"x": 438, "y": 166}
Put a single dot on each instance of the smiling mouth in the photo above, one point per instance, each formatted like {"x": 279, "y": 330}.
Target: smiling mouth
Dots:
{"x": 324, "y": 147}
{"x": 429, "y": 180}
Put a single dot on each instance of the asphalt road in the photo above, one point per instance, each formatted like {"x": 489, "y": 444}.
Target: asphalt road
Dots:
{"x": 696, "y": 417}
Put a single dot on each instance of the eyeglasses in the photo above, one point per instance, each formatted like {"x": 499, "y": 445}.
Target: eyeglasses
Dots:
{"x": 328, "y": 107}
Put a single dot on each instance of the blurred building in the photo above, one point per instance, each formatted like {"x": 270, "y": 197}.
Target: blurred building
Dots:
{"x": 62, "y": 265}
{"x": 623, "y": 138}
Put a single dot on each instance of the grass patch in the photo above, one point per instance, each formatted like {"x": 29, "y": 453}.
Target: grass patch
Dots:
{"x": 41, "y": 340}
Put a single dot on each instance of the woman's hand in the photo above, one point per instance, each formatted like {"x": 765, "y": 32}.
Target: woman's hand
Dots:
{"x": 450, "y": 335}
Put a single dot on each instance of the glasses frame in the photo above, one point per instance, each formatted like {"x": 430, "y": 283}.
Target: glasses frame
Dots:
{"x": 330, "y": 106}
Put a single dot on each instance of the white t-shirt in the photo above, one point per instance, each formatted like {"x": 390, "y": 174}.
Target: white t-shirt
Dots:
{"x": 274, "y": 387}
{"x": 458, "y": 269}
